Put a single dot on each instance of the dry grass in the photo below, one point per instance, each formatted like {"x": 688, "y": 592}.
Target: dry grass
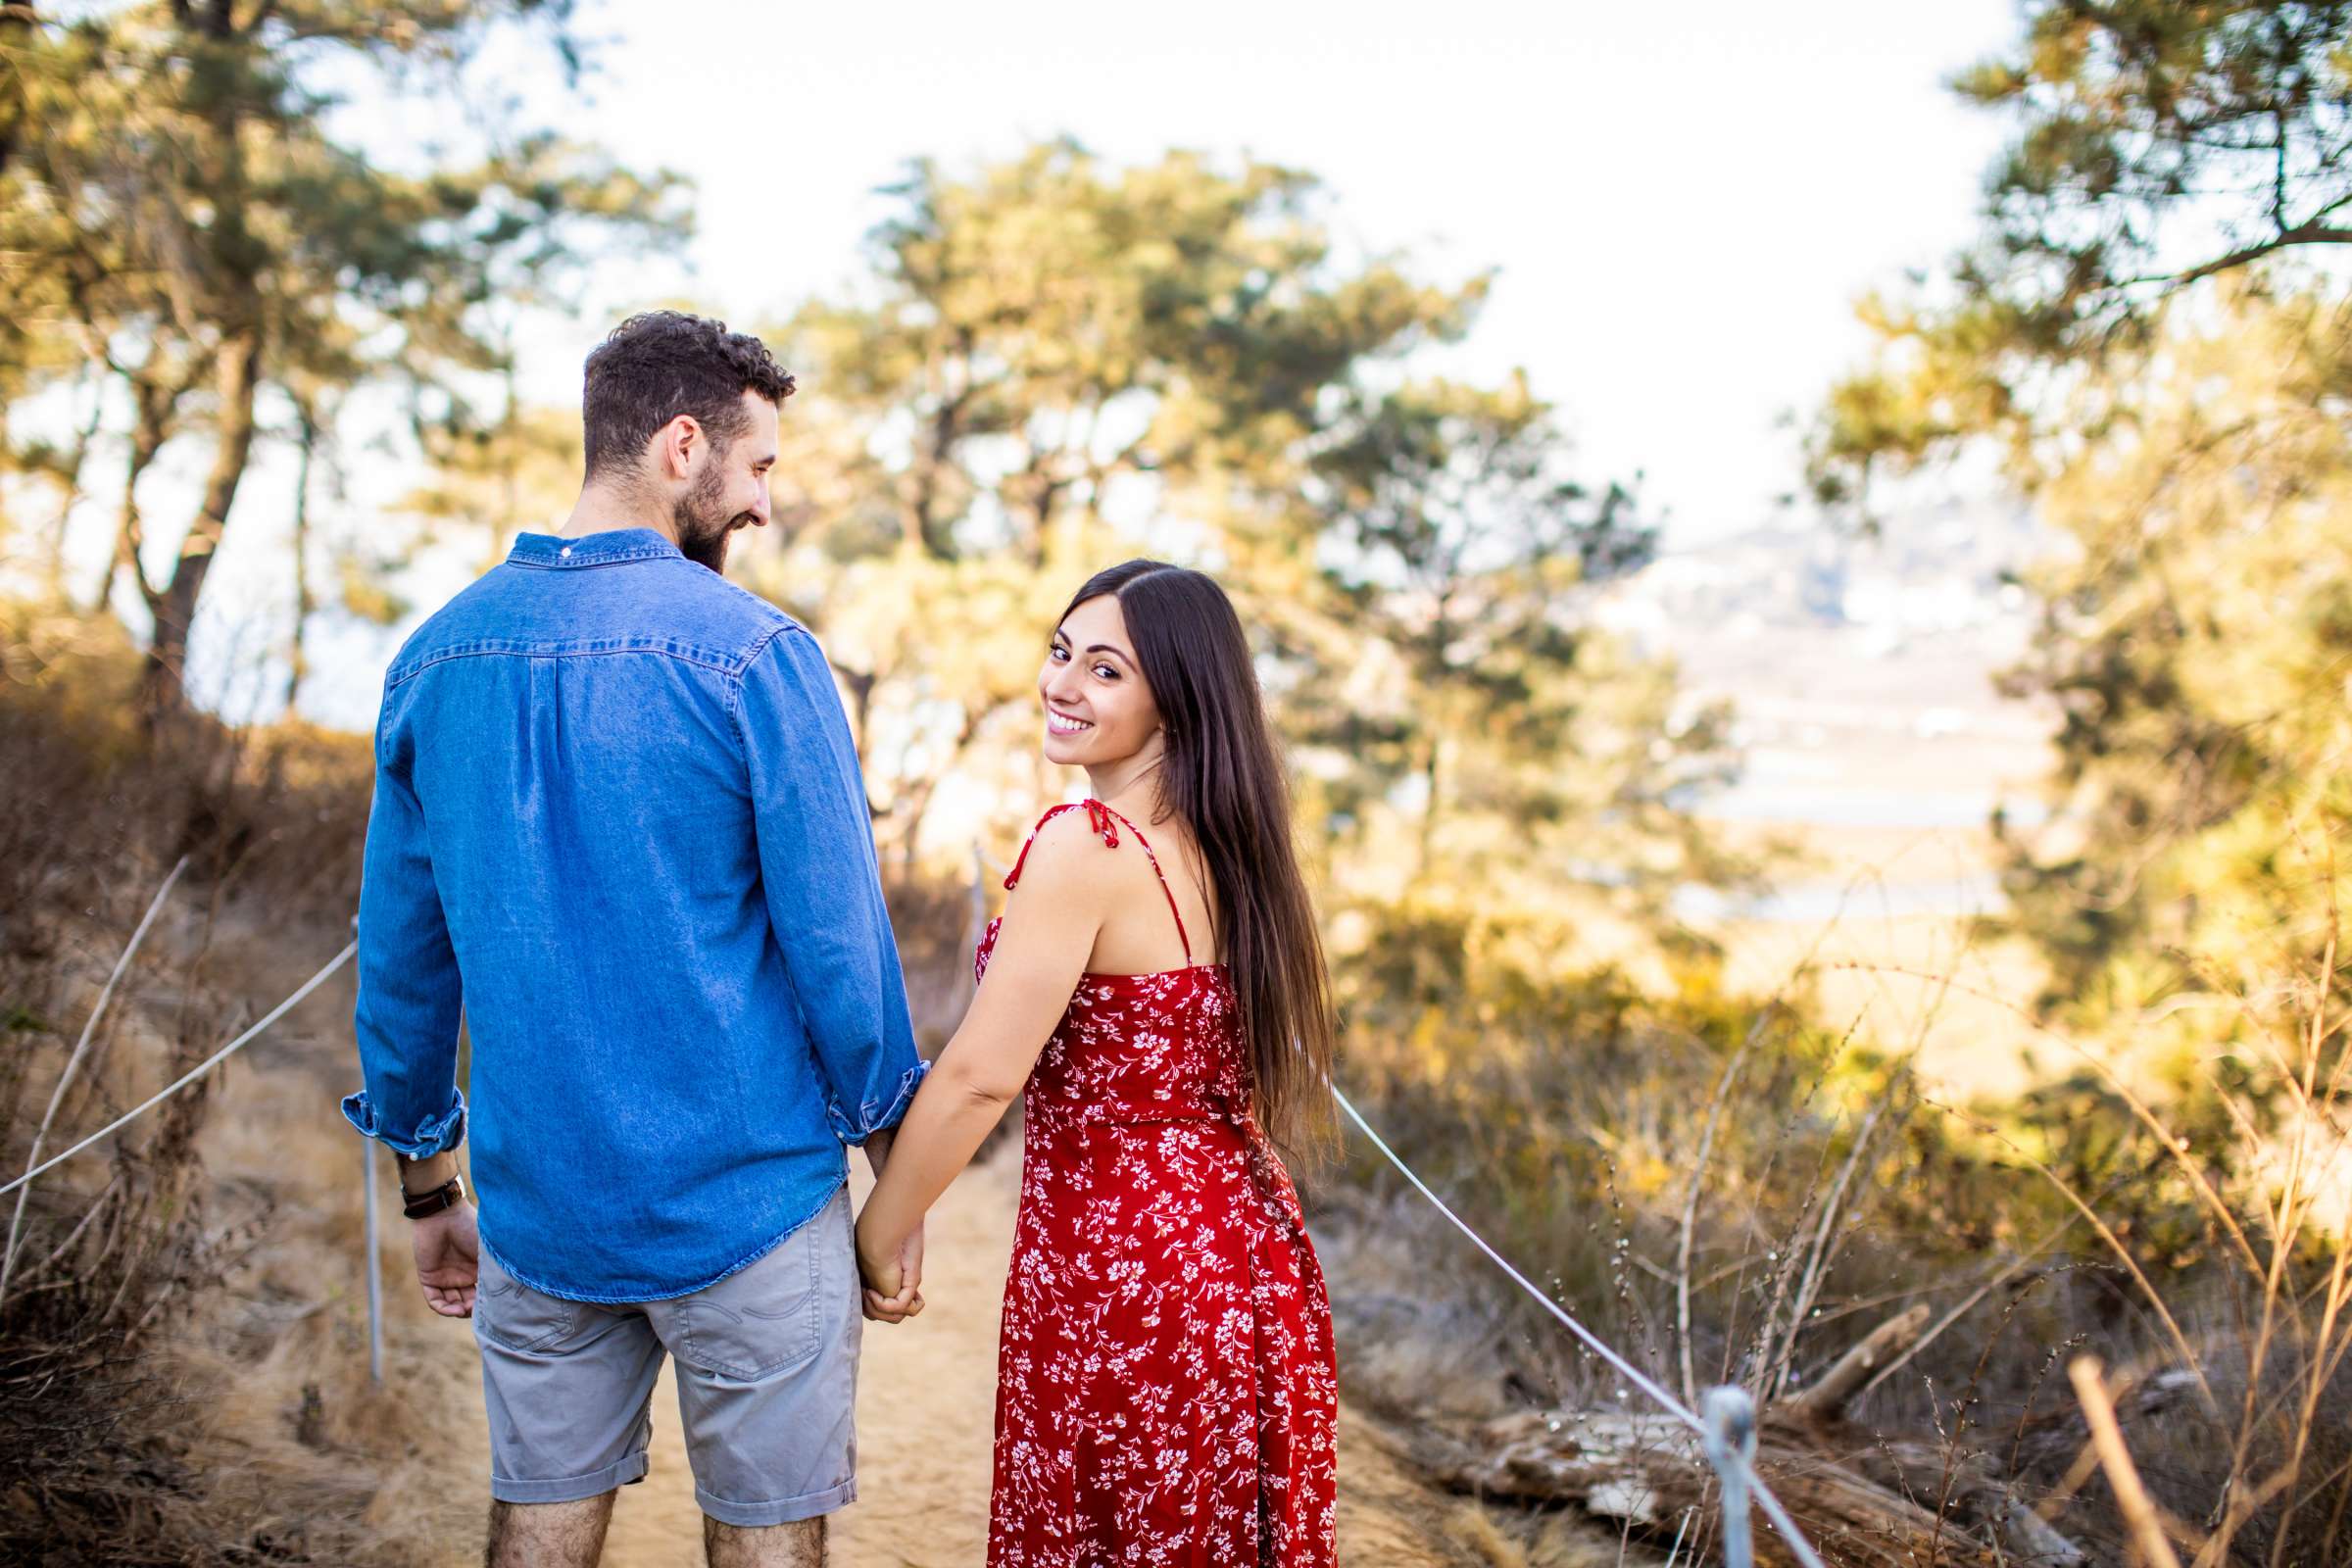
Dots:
{"x": 99, "y": 1426}
{"x": 1732, "y": 1193}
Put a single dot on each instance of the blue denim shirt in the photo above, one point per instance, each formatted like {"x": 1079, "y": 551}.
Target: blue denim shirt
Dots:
{"x": 618, "y": 821}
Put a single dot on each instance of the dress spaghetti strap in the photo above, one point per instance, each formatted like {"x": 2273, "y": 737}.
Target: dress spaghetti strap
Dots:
{"x": 1106, "y": 822}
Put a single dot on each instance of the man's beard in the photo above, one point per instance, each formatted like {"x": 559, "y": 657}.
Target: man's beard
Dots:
{"x": 703, "y": 526}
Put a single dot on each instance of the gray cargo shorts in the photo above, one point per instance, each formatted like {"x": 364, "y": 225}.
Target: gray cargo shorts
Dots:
{"x": 768, "y": 1382}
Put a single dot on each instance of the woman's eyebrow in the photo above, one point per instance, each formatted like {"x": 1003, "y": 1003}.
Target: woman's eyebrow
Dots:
{"x": 1109, "y": 648}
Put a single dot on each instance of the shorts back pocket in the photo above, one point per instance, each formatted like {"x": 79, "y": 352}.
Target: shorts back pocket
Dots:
{"x": 763, "y": 1317}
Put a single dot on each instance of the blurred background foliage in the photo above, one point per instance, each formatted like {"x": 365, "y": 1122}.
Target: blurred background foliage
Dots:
{"x": 1050, "y": 362}
{"x": 2153, "y": 334}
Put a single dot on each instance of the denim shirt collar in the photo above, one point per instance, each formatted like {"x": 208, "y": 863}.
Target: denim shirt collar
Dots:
{"x": 601, "y": 549}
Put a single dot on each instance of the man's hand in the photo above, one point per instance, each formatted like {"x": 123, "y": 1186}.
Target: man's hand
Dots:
{"x": 448, "y": 1249}
{"x": 448, "y": 1259}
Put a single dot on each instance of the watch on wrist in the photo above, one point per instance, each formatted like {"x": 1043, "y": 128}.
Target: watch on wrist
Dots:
{"x": 423, "y": 1206}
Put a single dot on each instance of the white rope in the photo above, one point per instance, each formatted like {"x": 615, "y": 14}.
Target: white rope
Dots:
{"x": 193, "y": 1073}
{"x": 1600, "y": 1347}
{"x": 81, "y": 1049}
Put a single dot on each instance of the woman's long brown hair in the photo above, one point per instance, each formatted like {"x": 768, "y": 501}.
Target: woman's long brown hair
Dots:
{"x": 1223, "y": 775}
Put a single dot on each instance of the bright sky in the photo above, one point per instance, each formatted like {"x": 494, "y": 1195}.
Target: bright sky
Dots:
{"x": 1683, "y": 201}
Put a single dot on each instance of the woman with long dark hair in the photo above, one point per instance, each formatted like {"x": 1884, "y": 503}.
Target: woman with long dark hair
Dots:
{"x": 1165, "y": 1384}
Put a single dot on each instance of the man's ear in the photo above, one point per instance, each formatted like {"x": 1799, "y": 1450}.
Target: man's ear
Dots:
{"x": 675, "y": 444}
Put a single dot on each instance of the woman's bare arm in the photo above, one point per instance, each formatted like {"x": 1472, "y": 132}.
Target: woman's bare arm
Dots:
{"x": 1041, "y": 950}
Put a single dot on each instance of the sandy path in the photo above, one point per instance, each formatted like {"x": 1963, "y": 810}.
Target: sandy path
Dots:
{"x": 925, "y": 1406}
{"x": 408, "y": 1460}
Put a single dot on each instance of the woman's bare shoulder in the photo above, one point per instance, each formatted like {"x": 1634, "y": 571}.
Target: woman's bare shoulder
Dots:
{"x": 1064, "y": 849}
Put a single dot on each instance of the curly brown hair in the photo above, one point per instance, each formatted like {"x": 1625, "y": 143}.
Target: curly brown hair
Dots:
{"x": 660, "y": 364}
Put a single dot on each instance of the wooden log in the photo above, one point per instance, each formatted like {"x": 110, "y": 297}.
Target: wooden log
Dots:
{"x": 1962, "y": 1485}
{"x": 2030, "y": 1540}
{"x": 1648, "y": 1472}
{"x": 1875, "y": 1504}
{"x": 2115, "y": 1457}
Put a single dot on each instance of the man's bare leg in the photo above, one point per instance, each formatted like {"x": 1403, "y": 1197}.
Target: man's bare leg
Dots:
{"x": 547, "y": 1534}
{"x": 793, "y": 1546}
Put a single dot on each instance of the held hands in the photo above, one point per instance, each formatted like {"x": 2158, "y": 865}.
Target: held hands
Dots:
{"x": 448, "y": 1259}
{"x": 891, "y": 1281}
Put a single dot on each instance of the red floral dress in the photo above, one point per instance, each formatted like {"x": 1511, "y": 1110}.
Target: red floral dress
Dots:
{"x": 1166, "y": 1393}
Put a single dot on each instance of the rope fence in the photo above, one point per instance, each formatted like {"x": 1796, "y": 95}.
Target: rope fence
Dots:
{"x": 74, "y": 1061}
{"x": 193, "y": 1073}
{"x": 1727, "y": 1428}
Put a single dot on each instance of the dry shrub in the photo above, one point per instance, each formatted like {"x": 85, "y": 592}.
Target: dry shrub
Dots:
{"x": 97, "y": 1461}
{"x": 1798, "y": 1188}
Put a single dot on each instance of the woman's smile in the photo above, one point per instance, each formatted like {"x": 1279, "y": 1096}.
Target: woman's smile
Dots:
{"x": 1060, "y": 724}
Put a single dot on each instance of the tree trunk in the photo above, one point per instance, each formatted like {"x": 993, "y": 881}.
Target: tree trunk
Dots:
{"x": 860, "y": 684}
{"x": 298, "y": 664}
{"x": 911, "y": 826}
{"x": 238, "y": 374}
{"x": 1428, "y": 848}
{"x": 510, "y": 525}
{"x": 17, "y": 23}
{"x": 150, "y": 428}
{"x": 1434, "y": 670}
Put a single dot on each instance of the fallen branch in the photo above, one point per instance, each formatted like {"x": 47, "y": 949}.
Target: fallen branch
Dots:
{"x": 1856, "y": 1369}
{"x": 1855, "y": 1501}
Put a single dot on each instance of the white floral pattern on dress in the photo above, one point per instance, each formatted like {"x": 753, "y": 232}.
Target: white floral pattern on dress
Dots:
{"x": 1166, "y": 1389}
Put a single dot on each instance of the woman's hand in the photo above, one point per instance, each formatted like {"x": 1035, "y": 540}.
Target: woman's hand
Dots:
{"x": 891, "y": 1282}
{"x": 1039, "y": 957}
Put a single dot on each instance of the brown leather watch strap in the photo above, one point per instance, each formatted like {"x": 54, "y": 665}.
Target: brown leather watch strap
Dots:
{"x": 423, "y": 1206}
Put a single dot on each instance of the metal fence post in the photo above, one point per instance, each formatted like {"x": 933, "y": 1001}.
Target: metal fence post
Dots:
{"x": 376, "y": 1280}
{"x": 1731, "y": 1418}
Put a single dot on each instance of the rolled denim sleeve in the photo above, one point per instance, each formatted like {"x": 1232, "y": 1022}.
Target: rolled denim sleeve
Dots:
{"x": 824, "y": 887}
{"x": 410, "y": 993}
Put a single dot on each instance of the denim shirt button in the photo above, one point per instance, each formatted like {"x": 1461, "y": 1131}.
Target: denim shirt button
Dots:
{"x": 564, "y": 551}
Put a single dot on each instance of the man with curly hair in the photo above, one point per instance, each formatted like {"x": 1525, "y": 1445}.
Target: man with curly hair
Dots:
{"x": 619, "y": 824}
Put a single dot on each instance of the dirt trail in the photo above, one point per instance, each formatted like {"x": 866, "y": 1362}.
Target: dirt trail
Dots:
{"x": 925, "y": 1405}
{"x": 395, "y": 1475}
